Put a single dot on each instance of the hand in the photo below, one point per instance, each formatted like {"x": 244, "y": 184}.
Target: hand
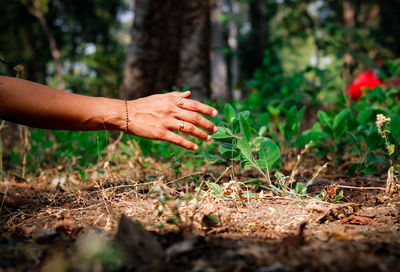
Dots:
{"x": 157, "y": 116}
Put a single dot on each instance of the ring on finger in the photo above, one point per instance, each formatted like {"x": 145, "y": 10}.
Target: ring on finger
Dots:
{"x": 181, "y": 125}
{"x": 180, "y": 103}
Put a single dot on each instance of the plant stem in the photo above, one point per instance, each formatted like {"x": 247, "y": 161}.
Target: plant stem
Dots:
{"x": 26, "y": 147}
{"x": 266, "y": 176}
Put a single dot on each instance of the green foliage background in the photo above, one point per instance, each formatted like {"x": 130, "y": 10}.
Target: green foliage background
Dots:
{"x": 293, "y": 77}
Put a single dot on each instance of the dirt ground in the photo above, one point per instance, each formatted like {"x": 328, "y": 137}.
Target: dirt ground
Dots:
{"x": 71, "y": 227}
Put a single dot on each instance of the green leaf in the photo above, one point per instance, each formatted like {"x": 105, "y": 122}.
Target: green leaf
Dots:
{"x": 223, "y": 133}
{"x": 340, "y": 118}
{"x": 395, "y": 126}
{"x": 397, "y": 166}
{"x": 325, "y": 120}
{"x": 244, "y": 128}
{"x": 299, "y": 188}
{"x": 213, "y": 218}
{"x": 273, "y": 134}
{"x": 246, "y": 114}
{"x": 338, "y": 197}
{"x": 341, "y": 130}
{"x": 256, "y": 182}
{"x": 262, "y": 130}
{"x": 308, "y": 135}
{"x": 215, "y": 188}
{"x": 290, "y": 115}
{"x": 227, "y": 150}
{"x": 368, "y": 170}
{"x": 373, "y": 140}
{"x": 246, "y": 153}
{"x": 229, "y": 113}
{"x": 300, "y": 114}
{"x": 391, "y": 149}
{"x": 273, "y": 110}
{"x": 269, "y": 153}
{"x": 244, "y": 149}
{"x": 364, "y": 115}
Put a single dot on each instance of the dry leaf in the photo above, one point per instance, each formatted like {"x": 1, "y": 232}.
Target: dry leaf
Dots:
{"x": 359, "y": 220}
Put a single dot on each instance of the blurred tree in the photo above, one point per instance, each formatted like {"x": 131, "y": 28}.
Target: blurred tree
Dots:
{"x": 390, "y": 24}
{"x": 47, "y": 36}
{"x": 38, "y": 9}
{"x": 219, "y": 68}
{"x": 170, "y": 47}
{"x": 256, "y": 39}
{"x": 224, "y": 44}
{"x": 233, "y": 58}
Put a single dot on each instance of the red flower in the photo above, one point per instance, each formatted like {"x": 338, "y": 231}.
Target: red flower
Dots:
{"x": 366, "y": 80}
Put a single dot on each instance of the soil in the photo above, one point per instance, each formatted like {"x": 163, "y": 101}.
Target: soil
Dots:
{"x": 82, "y": 227}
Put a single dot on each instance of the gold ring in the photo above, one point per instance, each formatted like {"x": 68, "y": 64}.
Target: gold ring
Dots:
{"x": 180, "y": 104}
{"x": 181, "y": 125}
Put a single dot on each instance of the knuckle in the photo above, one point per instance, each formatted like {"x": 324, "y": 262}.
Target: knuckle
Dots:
{"x": 197, "y": 118}
{"x": 180, "y": 141}
{"x": 170, "y": 98}
{"x": 190, "y": 128}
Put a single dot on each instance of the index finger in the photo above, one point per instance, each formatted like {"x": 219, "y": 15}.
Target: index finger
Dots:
{"x": 193, "y": 105}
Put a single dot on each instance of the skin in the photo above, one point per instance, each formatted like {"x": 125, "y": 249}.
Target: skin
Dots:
{"x": 153, "y": 117}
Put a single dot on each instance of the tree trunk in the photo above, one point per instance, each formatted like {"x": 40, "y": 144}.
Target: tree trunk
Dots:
{"x": 233, "y": 46}
{"x": 219, "y": 69}
{"x": 170, "y": 47}
{"x": 349, "y": 22}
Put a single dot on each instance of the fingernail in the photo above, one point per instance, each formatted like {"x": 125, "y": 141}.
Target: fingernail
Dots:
{"x": 208, "y": 138}
{"x": 215, "y": 129}
{"x": 195, "y": 147}
{"x": 214, "y": 113}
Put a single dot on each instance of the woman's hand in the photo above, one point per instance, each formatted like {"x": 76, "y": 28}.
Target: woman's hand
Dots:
{"x": 154, "y": 117}
{"x": 157, "y": 116}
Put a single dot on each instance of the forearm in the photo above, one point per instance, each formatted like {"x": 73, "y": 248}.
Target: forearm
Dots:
{"x": 41, "y": 106}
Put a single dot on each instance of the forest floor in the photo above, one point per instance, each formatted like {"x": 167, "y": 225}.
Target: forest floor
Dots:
{"x": 79, "y": 226}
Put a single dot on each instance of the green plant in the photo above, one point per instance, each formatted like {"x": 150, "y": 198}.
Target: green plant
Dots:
{"x": 291, "y": 126}
{"x": 239, "y": 145}
{"x": 382, "y": 123}
{"x": 347, "y": 133}
{"x": 329, "y": 193}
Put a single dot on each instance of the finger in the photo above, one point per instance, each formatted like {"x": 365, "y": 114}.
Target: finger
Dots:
{"x": 198, "y": 120}
{"x": 193, "y": 130}
{"x": 197, "y": 106}
{"x": 186, "y": 94}
{"x": 179, "y": 140}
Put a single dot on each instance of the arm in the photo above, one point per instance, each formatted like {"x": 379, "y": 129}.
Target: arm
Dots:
{"x": 153, "y": 117}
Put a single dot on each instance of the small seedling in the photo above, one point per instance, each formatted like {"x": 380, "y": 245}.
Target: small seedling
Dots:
{"x": 239, "y": 144}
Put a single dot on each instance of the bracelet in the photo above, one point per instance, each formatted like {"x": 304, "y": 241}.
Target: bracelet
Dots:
{"x": 127, "y": 117}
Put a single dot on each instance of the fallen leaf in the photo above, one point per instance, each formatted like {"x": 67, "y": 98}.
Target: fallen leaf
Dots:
{"x": 359, "y": 220}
